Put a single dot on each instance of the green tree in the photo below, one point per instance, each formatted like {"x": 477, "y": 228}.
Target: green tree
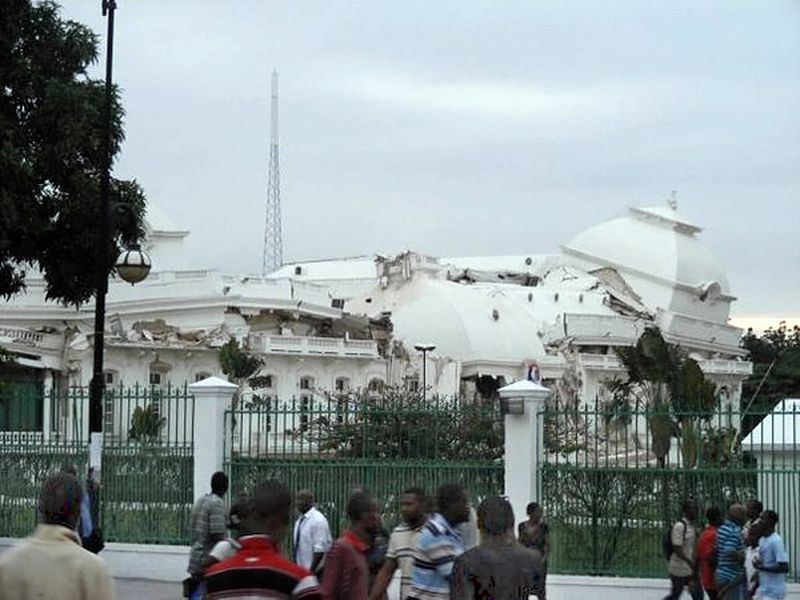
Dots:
{"x": 239, "y": 365}
{"x": 592, "y": 509}
{"x": 52, "y": 156}
{"x": 662, "y": 378}
{"x": 400, "y": 424}
{"x": 776, "y": 372}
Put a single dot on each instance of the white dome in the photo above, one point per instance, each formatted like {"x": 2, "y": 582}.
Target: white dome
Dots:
{"x": 464, "y": 322}
{"x": 655, "y": 243}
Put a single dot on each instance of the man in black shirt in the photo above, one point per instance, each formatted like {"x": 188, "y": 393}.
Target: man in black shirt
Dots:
{"x": 499, "y": 567}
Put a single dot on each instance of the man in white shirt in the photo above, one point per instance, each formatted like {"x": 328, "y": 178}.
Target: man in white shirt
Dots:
{"x": 682, "y": 564}
{"x": 773, "y": 561}
{"x": 312, "y": 535}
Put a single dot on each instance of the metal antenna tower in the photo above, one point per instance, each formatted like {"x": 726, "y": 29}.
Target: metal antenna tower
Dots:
{"x": 273, "y": 241}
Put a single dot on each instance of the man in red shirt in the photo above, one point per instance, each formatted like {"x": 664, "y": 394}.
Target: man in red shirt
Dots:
{"x": 346, "y": 568}
{"x": 706, "y": 550}
{"x": 259, "y": 570}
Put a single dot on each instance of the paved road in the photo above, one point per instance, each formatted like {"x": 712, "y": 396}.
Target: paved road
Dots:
{"x": 141, "y": 589}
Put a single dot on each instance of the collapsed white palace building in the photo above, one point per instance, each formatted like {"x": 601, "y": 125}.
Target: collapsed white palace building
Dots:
{"x": 342, "y": 325}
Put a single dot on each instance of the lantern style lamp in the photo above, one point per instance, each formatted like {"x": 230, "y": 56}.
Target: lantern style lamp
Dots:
{"x": 133, "y": 264}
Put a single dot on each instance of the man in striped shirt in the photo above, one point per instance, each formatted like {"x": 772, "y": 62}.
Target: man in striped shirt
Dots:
{"x": 258, "y": 571}
{"x": 439, "y": 545}
{"x": 403, "y": 544}
{"x": 730, "y": 555}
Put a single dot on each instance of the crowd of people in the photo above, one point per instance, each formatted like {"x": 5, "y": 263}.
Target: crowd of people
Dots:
{"x": 443, "y": 548}
{"x": 740, "y": 557}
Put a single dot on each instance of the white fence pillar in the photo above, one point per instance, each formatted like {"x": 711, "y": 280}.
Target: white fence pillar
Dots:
{"x": 522, "y": 404}
{"x": 212, "y": 398}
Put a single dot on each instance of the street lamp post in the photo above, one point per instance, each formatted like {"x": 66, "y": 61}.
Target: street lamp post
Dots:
{"x": 424, "y": 348}
{"x": 98, "y": 382}
{"x": 132, "y": 265}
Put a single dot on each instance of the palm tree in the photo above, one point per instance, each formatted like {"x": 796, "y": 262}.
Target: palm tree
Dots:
{"x": 671, "y": 387}
{"x": 146, "y": 423}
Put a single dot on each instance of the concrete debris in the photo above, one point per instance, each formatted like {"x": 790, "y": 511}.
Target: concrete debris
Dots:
{"x": 621, "y": 297}
{"x": 475, "y": 276}
{"x": 159, "y": 333}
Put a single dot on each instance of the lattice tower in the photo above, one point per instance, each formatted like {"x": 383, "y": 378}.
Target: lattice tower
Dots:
{"x": 273, "y": 241}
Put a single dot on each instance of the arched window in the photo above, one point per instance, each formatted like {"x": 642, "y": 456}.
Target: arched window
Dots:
{"x": 201, "y": 375}
{"x": 375, "y": 385}
{"x": 158, "y": 372}
{"x": 342, "y": 384}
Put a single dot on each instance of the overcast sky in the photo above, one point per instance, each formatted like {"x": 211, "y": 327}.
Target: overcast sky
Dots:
{"x": 466, "y": 127}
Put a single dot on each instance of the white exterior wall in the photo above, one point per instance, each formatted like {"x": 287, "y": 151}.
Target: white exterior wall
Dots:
{"x": 167, "y": 251}
{"x": 689, "y": 303}
{"x": 132, "y": 365}
{"x": 288, "y": 370}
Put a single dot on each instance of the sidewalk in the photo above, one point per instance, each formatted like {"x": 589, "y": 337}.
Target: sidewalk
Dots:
{"x": 137, "y": 589}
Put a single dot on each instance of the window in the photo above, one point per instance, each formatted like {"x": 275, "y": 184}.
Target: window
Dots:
{"x": 109, "y": 402}
{"x": 201, "y": 375}
{"x": 342, "y": 387}
{"x": 412, "y": 384}
{"x": 341, "y": 409}
{"x": 157, "y": 378}
{"x": 307, "y": 386}
{"x": 342, "y": 384}
{"x": 158, "y": 371}
{"x": 264, "y": 405}
{"x": 305, "y": 410}
{"x": 375, "y": 388}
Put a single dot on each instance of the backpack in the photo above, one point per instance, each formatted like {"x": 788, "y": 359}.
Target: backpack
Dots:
{"x": 666, "y": 543}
